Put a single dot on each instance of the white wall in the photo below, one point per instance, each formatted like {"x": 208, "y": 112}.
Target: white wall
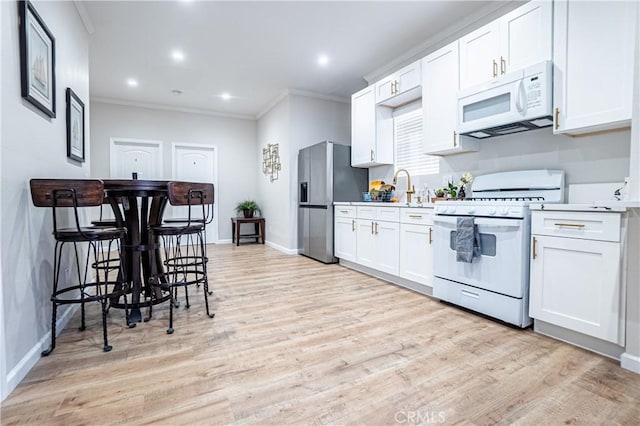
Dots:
{"x": 587, "y": 159}
{"x": 234, "y": 138}
{"x": 295, "y": 122}
{"x": 274, "y": 128}
{"x": 3, "y": 367}
{"x": 313, "y": 120}
{"x": 34, "y": 146}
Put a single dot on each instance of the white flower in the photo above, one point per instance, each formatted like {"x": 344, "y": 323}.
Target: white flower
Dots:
{"x": 466, "y": 179}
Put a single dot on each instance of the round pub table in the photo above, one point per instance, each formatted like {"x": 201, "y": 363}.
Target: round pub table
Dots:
{"x": 141, "y": 257}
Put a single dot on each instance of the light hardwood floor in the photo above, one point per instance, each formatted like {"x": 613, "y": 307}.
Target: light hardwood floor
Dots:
{"x": 298, "y": 342}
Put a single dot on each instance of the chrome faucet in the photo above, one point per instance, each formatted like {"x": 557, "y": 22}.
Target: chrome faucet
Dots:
{"x": 410, "y": 188}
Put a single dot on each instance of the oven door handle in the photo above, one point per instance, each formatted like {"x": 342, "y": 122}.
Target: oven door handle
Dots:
{"x": 485, "y": 223}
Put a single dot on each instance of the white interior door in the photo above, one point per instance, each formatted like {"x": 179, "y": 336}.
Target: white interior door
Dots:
{"x": 128, "y": 156}
{"x": 196, "y": 163}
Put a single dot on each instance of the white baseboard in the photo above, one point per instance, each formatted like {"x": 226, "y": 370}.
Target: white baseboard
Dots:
{"x": 282, "y": 249}
{"x": 269, "y": 243}
{"x": 630, "y": 362}
{"x": 17, "y": 373}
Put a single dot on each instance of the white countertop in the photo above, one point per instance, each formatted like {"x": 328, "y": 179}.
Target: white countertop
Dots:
{"x": 379, "y": 204}
{"x": 596, "y": 206}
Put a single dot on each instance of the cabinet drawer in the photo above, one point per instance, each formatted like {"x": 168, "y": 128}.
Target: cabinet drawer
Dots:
{"x": 584, "y": 225}
{"x": 345, "y": 211}
{"x": 417, "y": 216}
{"x": 366, "y": 212}
{"x": 389, "y": 214}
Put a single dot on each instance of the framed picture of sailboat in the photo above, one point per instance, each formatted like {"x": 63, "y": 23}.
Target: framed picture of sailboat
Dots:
{"x": 75, "y": 126}
{"x": 37, "y": 60}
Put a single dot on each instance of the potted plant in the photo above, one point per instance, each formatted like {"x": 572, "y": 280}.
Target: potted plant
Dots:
{"x": 247, "y": 208}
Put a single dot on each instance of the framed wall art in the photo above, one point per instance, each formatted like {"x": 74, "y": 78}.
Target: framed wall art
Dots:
{"x": 37, "y": 60}
{"x": 75, "y": 126}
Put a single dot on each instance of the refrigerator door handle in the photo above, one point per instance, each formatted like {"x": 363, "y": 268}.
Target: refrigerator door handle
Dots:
{"x": 304, "y": 192}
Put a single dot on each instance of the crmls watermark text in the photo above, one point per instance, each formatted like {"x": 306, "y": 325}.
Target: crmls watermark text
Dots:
{"x": 419, "y": 417}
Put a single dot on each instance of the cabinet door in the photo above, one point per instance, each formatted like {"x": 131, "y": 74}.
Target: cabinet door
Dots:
{"x": 363, "y": 126}
{"x": 365, "y": 243}
{"x": 440, "y": 85}
{"x": 408, "y": 77}
{"x": 593, "y": 51}
{"x": 399, "y": 83}
{"x": 525, "y": 36}
{"x": 387, "y": 246}
{"x": 345, "y": 238}
{"x": 576, "y": 284}
{"x": 479, "y": 54}
{"x": 416, "y": 253}
{"x": 385, "y": 88}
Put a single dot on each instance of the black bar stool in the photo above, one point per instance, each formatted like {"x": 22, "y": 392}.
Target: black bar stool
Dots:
{"x": 185, "y": 256}
{"x": 72, "y": 193}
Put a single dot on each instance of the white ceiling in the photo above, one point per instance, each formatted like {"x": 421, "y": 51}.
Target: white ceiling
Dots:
{"x": 253, "y": 50}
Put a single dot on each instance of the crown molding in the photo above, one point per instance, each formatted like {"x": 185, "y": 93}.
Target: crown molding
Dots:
{"x": 303, "y": 93}
{"x": 84, "y": 16}
{"x": 273, "y": 103}
{"x": 464, "y": 26}
{"x": 320, "y": 96}
{"x": 161, "y": 107}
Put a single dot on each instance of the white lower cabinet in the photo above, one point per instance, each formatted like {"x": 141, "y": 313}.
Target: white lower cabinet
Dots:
{"x": 576, "y": 278}
{"x": 416, "y": 246}
{"x": 394, "y": 240}
{"x": 378, "y": 245}
{"x": 345, "y": 238}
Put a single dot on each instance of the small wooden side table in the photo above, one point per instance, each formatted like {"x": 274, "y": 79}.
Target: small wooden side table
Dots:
{"x": 259, "y": 228}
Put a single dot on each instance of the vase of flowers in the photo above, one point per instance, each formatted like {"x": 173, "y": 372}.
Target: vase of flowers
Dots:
{"x": 466, "y": 179}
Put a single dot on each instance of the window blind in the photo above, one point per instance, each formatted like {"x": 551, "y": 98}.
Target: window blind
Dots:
{"x": 407, "y": 129}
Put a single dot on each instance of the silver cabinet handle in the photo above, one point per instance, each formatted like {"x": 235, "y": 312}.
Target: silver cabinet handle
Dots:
{"x": 495, "y": 68}
{"x": 430, "y": 235}
{"x": 353, "y": 225}
{"x": 533, "y": 249}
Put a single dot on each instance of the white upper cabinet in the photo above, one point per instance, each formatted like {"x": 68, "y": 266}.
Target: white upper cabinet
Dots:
{"x": 520, "y": 38}
{"x": 440, "y": 103}
{"x": 371, "y": 130}
{"x": 479, "y": 51}
{"x": 400, "y": 87}
{"x": 593, "y": 65}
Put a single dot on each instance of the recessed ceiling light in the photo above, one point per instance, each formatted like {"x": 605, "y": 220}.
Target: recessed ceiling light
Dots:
{"x": 225, "y": 96}
{"x": 323, "y": 60}
{"x": 131, "y": 82}
{"x": 176, "y": 92}
{"x": 177, "y": 56}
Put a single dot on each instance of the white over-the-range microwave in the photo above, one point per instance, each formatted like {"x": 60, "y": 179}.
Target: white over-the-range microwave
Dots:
{"x": 516, "y": 102}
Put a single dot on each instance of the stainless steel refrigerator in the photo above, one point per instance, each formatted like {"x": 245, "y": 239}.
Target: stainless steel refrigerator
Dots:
{"x": 325, "y": 175}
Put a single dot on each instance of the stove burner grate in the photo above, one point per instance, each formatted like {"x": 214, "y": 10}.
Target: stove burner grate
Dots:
{"x": 504, "y": 199}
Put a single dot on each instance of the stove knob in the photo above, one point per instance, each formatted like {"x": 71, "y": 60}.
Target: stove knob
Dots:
{"x": 451, "y": 209}
{"x": 492, "y": 211}
{"x": 471, "y": 210}
{"x": 440, "y": 209}
{"x": 504, "y": 211}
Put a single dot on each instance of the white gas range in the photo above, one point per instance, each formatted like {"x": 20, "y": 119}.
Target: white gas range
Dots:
{"x": 496, "y": 281}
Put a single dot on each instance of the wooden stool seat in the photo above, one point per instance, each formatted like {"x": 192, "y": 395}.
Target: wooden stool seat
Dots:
{"x": 259, "y": 227}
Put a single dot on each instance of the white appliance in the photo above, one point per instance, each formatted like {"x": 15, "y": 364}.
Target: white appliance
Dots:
{"x": 497, "y": 282}
{"x": 516, "y": 102}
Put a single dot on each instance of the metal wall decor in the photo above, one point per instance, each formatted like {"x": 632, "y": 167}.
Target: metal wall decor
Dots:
{"x": 271, "y": 161}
